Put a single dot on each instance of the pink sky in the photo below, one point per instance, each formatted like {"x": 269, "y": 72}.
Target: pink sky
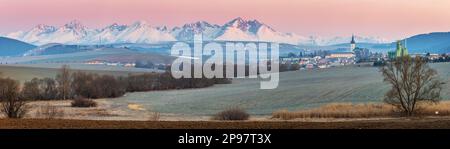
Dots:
{"x": 385, "y": 18}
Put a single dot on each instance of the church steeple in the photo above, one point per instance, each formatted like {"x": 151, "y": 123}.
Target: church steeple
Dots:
{"x": 352, "y": 44}
{"x": 353, "y": 40}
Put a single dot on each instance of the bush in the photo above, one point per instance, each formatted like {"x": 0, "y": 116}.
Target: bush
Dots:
{"x": 232, "y": 114}
{"x": 49, "y": 112}
{"x": 83, "y": 103}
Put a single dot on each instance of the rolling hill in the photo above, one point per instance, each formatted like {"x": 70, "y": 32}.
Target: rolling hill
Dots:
{"x": 12, "y": 47}
{"x": 437, "y": 42}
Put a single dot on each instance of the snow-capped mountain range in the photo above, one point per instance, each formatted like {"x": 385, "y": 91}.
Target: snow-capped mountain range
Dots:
{"x": 141, "y": 32}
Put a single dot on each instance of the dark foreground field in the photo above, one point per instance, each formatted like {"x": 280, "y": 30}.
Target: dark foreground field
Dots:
{"x": 413, "y": 123}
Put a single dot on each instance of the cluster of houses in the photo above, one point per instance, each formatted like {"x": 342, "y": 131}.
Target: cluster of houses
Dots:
{"x": 348, "y": 56}
{"x": 100, "y": 62}
{"x": 127, "y": 64}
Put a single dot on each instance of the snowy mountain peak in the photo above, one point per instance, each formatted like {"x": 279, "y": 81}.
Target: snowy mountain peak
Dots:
{"x": 116, "y": 27}
{"x": 44, "y": 28}
{"x": 187, "y": 31}
{"x": 74, "y": 25}
{"x": 72, "y": 31}
{"x": 251, "y": 26}
{"x": 238, "y": 29}
{"x": 139, "y": 24}
{"x": 162, "y": 28}
{"x": 237, "y": 23}
{"x": 199, "y": 25}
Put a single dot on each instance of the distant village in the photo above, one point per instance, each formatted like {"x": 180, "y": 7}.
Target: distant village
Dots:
{"x": 137, "y": 64}
{"x": 319, "y": 59}
{"x": 352, "y": 56}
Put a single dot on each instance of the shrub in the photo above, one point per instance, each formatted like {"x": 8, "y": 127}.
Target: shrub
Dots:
{"x": 83, "y": 102}
{"x": 232, "y": 114}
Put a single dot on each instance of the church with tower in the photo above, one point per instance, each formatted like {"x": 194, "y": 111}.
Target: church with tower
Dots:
{"x": 350, "y": 53}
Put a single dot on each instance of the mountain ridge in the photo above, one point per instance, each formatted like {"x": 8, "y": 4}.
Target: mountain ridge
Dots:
{"x": 238, "y": 29}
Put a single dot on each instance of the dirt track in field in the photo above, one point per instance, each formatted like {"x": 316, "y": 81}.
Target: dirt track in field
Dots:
{"x": 415, "y": 123}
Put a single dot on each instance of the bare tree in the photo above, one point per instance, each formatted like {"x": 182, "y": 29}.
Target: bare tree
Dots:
{"x": 64, "y": 82}
{"x": 40, "y": 89}
{"x": 12, "y": 105}
{"x": 31, "y": 89}
{"x": 412, "y": 81}
{"x": 48, "y": 88}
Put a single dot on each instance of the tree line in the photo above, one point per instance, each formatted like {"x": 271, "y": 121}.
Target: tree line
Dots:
{"x": 68, "y": 85}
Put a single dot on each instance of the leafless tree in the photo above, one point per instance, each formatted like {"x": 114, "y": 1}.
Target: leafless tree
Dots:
{"x": 64, "y": 82}
{"x": 31, "y": 90}
{"x": 48, "y": 88}
{"x": 412, "y": 81}
{"x": 12, "y": 105}
{"x": 40, "y": 89}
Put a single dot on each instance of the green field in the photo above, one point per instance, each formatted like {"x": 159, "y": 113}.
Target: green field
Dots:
{"x": 26, "y": 72}
{"x": 296, "y": 90}
{"x": 106, "y": 54}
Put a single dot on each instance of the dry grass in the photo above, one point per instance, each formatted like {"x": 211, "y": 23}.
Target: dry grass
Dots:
{"x": 435, "y": 109}
{"x": 371, "y": 110}
{"x": 49, "y": 111}
{"x": 154, "y": 116}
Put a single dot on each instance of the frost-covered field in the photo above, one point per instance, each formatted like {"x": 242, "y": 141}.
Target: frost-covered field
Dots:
{"x": 297, "y": 90}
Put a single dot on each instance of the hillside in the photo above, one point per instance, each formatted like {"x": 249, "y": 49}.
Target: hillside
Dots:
{"x": 12, "y": 47}
{"x": 438, "y": 42}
